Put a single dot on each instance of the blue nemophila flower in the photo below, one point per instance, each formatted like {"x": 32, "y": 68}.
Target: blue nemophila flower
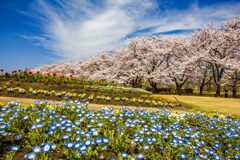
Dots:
{"x": 37, "y": 120}
{"x": 3, "y": 126}
{"x": 88, "y": 135}
{"x": 141, "y": 139}
{"x": 83, "y": 148}
{"x": 146, "y": 147}
{"x": 69, "y": 144}
{"x": 236, "y": 156}
{"x": 183, "y": 155}
{"x": 217, "y": 145}
{"x": 124, "y": 154}
{"x": 140, "y": 156}
{"x": 2, "y": 114}
{"x": 14, "y": 148}
{"x": 88, "y": 142}
{"x": 18, "y": 136}
{"x": 161, "y": 147}
{"x": 68, "y": 129}
{"x": 77, "y": 138}
{"x": 25, "y": 117}
{"x": 105, "y": 140}
{"x": 53, "y": 127}
{"x": 217, "y": 157}
{"x": 211, "y": 152}
{"x": 98, "y": 140}
{"x": 36, "y": 149}
{"x": 77, "y": 145}
{"x": 30, "y": 156}
{"x": 149, "y": 139}
{"x": 175, "y": 140}
{"x": 34, "y": 126}
{"x": 206, "y": 150}
{"x": 58, "y": 124}
{"x": 50, "y": 132}
{"x": 40, "y": 125}
{"x": 46, "y": 147}
{"x": 66, "y": 136}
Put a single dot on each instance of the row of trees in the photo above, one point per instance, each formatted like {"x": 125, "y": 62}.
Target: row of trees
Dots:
{"x": 211, "y": 55}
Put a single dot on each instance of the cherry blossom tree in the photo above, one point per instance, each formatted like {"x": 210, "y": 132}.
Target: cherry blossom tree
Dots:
{"x": 130, "y": 68}
{"x": 218, "y": 48}
{"x": 153, "y": 52}
{"x": 179, "y": 63}
{"x": 202, "y": 76}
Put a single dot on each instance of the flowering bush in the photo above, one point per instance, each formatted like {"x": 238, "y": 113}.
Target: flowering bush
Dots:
{"x": 74, "y": 131}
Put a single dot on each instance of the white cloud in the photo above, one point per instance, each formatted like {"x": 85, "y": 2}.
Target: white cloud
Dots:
{"x": 195, "y": 17}
{"x": 82, "y": 28}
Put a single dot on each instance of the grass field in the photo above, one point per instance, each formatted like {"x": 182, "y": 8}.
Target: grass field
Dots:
{"x": 210, "y": 104}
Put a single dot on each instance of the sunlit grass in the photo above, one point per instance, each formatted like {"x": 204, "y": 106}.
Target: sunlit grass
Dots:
{"x": 210, "y": 104}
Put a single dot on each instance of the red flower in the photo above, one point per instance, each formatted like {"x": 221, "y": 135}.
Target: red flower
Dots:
{"x": 6, "y": 73}
{"x": 30, "y": 73}
{"x": 48, "y": 74}
{"x": 54, "y": 74}
{"x": 38, "y": 72}
{"x": 19, "y": 70}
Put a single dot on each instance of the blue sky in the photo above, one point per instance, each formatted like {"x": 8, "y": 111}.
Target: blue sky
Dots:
{"x": 36, "y": 32}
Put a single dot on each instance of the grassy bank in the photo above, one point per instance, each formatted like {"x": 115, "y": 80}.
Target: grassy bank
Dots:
{"x": 209, "y": 104}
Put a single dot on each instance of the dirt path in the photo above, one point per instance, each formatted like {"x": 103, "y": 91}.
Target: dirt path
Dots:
{"x": 91, "y": 105}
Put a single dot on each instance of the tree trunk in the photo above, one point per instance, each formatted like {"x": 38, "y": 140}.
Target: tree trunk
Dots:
{"x": 234, "y": 90}
{"x": 217, "y": 76}
{"x": 234, "y": 93}
{"x": 218, "y": 91}
{"x": 154, "y": 87}
{"x": 136, "y": 83}
{"x": 178, "y": 89}
{"x": 234, "y": 85}
{"x": 201, "y": 90}
{"x": 201, "y": 87}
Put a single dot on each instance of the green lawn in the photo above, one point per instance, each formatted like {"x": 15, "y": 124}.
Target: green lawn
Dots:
{"x": 210, "y": 104}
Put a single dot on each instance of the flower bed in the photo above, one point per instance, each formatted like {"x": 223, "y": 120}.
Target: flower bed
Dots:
{"x": 73, "y": 131}
{"x": 143, "y": 100}
{"x": 82, "y": 83}
{"x": 49, "y": 78}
